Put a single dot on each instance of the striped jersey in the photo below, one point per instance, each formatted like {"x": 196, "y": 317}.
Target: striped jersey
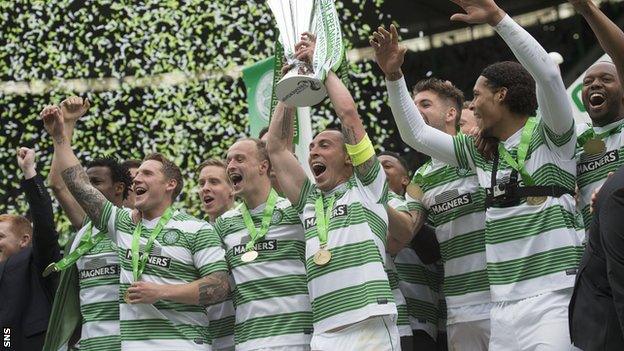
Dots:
{"x": 185, "y": 250}
{"x": 455, "y": 207}
{"x": 271, "y": 295}
{"x": 592, "y": 170}
{"x": 418, "y": 282}
{"x": 221, "y": 317}
{"x": 353, "y": 286}
{"x": 98, "y": 277}
{"x": 403, "y": 324}
{"x": 530, "y": 249}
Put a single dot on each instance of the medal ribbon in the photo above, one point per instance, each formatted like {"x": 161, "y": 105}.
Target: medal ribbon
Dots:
{"x": 87, "y": 242}
{"x": 322, "y": 218}
{"x": 523, "y": 148}
{"x": 591, "y": 134}
{"x": 139, "y": 261}
{"x": 267, "y": 214}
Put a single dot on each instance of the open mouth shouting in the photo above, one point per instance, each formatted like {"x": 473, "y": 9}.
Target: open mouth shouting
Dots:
{"x": 139, "y": 190}
{"x": 318, "y": 169}
{"x": 207, "y": 200}
{"x": 236, "y": 179}
{"x": 597, "y": 99}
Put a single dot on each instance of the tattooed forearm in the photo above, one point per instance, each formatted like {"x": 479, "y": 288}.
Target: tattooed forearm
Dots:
{"x": 287, "y": 123}
{"x": 89, "y": 198}
{"x": 214, "y": 288}
{"x": 349, "y": 134}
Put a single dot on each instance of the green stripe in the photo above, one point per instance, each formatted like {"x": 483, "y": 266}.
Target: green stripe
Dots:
{"x": 101, "y": 224}
{"x": 222, "y": 327}
{"x": 422, "y": 310}
{"x": 459, "y": 142}
{"x": 600, "y": 173}
{"x": 100, "y": 311}
{"x": 558, "y": 140}
{"x": 461, "y": 284}
{"x": 403, "y": 317}
{"x": 351, "y": 298}
{"x": 372, "y": 174}
{"x": 266, "y": 288}
{"x": 532, "y": 224}
{"x": 476, "y": 206}
{"x": 417, "y": 274}
{"x": 356, "y": 214}
{"x": 276, "y": 325}
{"x": 343, "y": 257}
{"x": 161, "y": 329}
{"x": 533, "y": 266}
{"x": 307, "y": 194}
{"x": 286, "y": 250}
{"x": 463, "y": 245}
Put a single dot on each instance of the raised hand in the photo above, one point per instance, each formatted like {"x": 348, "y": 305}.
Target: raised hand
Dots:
{"x": 388, "y": 54}
{"x": 53, "y": 121}
{"x": 73, "y": 108}
{"x": 479, "y": 11}
{"x": 304, "y": 49}
{"x": 26, "y": 161}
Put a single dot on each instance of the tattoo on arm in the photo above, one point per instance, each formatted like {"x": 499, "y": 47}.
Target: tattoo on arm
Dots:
{"x": 89, "y": 198}
{"x": 214, "y": 288}
{"x": 350, "y": 138}
{"x": 287, "y": 122}
{"x": 392, "y": 76}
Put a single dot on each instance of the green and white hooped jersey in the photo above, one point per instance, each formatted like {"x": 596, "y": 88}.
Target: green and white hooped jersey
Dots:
{"x": 185, "y": 250}
{"x": 98, "y": 276}
{"x": 353, "y": 286}
{"x": 455, "y": 207}
{"x": 530, "y": 249}
{"x": 270, "y": 293}
{"x": 397, "y": 202}
{"x": 418, "y": 282}
{"x": 592, "y": 170}
{"x": 221, "y": 317}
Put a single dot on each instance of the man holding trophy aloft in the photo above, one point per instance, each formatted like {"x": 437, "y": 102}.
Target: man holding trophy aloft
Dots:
{"x": 343, "y": 211}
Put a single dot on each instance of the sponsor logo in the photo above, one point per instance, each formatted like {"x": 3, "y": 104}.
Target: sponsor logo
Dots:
{"x": 592, "y": 163}
{"x": 110, "y": 270}
{"x": 458, "y": 201}
{"x": 339, "y": 211}
{"x": 171, "y": 237}
{"x": 153, "y": 260}
{"x": 265, "y": 245}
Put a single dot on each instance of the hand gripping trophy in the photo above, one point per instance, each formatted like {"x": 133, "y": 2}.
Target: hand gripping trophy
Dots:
{"x": 303, "y": 84}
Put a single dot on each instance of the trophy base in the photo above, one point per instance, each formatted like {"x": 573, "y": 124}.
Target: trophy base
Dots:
{"x": 300, "y": 90}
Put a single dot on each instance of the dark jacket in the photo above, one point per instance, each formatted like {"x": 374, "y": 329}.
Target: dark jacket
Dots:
{"x": 597, "y": 305}
{"x": 25, "y": 296}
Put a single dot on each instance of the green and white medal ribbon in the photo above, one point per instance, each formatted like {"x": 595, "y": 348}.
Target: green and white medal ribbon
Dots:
{"x": 593, "y": 143}
{"x": 518, "y": 165}
{"x": 255, "y": 234}
{"x": 323, "y": 215}
{"x": 87, "y": 242}
{"x": 139, "y": 260}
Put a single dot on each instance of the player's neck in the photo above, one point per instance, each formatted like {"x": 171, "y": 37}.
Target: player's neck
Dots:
{"x": 156, "y": 211}
{"x": 512, "y": 124}
{"x": 258, "y": 195}
{"x": 606, "y": 121}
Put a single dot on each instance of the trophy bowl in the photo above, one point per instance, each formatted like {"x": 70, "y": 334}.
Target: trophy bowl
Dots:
{"x": 299, "y": 87}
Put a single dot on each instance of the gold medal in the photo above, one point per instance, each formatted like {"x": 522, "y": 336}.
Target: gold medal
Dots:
{"x": 536, "y": 200}
{"x": 594, "y": 147}
{"x": 51, "y": 268}
{"x": 249, "y": 256}
{"x": 322, "y": 257}
{"x": 127, "y": 297}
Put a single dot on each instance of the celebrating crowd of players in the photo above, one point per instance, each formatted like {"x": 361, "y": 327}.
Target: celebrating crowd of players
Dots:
{"x": 286, "y": 263}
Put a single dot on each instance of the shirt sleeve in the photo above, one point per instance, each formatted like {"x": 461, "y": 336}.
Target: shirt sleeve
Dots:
{"x": 413, "y": 129}
{"x": 109, "y": 218}
{"x": 374, "y": 184}
{"x": 308, "y": 189}
{"x": 208, "y": 254}
{"x": 552, "y": 98}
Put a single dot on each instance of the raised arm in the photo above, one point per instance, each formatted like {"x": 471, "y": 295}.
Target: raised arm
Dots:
{"x": 287, "y": 168}
{"x": 413, "y": 129}
{"x": 610, "y": 36}
{"x": 74, "y": 176}
{"x": 45, "y": 238}
{"x": 71, "y": 109}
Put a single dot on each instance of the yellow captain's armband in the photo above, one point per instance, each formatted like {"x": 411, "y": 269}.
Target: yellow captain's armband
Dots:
{"x": 361, "y": 152}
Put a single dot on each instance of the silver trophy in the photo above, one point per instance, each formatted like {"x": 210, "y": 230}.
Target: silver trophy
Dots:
{"x": 303, "y": 84}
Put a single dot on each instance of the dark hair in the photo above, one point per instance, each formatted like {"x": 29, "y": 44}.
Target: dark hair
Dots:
{"x": 132, "y": 163}
{"x": 119, "y": 173}
{"x": 263, "y": 131}
{"x": 398, "y": 157}
{"x": 170, "y": 170}
{"x": 444, "y": 89}
{"x": 520, "y": 86}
